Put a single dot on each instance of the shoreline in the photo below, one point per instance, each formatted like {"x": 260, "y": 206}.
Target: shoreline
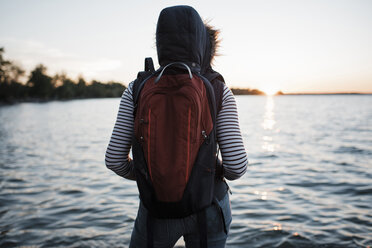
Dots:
{"x": 324, "y": 94}
{"x": 41, "y": 100}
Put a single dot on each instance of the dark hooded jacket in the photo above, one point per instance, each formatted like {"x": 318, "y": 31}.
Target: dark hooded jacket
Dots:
{"x": 181, "y": 36}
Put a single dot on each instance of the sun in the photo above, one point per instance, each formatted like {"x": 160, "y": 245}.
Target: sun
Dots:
{"x": 270, "y": 90}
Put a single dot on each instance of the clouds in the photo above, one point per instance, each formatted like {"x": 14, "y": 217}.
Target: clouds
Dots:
{"x": 294, "y": 45}
{"x": 29, "y": 53}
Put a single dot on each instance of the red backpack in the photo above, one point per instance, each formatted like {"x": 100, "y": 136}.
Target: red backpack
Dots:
{"x": 174, "y": 144}
{"x": 172, "y": 121}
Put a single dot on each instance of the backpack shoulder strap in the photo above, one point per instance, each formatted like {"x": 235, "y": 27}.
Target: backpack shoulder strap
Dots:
{"x": 218, "y": 84}
{"x": 142, "y": 77}
{"x": 218, "y": 87}
{"x": 149, "y": 64}
{"x": 211, "y": 98}
{"x": 213, "y": 75}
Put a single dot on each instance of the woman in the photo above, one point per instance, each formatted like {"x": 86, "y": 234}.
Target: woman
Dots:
{"x": 182, "y": 36}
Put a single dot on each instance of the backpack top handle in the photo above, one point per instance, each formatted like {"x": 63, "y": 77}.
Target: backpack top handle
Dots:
{"x": 174, "y": 63}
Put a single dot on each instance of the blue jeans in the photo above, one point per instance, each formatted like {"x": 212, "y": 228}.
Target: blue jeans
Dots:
{"x": 168, "y": 231}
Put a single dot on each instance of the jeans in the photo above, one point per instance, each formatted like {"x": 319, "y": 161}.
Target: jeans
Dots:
{"x": 168, "y": 231}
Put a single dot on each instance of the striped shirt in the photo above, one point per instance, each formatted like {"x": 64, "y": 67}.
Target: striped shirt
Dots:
{"x": 228, "y": 137}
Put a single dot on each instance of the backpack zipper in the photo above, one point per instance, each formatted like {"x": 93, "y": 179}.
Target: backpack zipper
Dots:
{"x": 149, "y": 143}
{"x": 188, "y": 143}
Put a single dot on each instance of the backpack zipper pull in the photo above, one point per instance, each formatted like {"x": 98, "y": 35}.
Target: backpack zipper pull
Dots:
{"x": 142, "y": 121}
{"x": 205, "y": 136}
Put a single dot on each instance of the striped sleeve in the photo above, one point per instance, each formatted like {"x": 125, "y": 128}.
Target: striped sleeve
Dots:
{"x": 117, "y": 154}
{"x": 229, "y": 138}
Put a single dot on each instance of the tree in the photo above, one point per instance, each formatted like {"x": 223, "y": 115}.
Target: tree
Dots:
{"x": 3, "y": 66}
{"x": 81, "y": 88}
{"x": 67, "y": 90}
{"x": 10, "y": 73}
{"x": 41, "y": 84}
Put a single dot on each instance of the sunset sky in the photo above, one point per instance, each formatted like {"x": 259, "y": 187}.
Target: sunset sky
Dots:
{"x": 293, "y": 46}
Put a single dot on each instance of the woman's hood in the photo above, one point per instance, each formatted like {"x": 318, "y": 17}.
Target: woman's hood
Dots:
{"x": 181, "y": 36}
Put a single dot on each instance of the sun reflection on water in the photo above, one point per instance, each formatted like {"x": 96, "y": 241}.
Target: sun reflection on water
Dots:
{"x": 268, "y": 125}
{"x": 261, "y": 194}
{"x": 269, "y": 121}
{"x": 277, "y": 226}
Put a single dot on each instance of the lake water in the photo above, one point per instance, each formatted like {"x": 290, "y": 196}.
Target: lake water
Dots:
{"x": 309, "y": 183}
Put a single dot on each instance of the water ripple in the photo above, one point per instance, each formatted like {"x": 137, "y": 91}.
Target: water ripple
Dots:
{"x": 308, "y": 184}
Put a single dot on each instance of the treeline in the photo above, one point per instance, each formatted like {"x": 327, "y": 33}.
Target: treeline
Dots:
{"x": 239, "y": 91}
{"x": 40, "y": 86}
